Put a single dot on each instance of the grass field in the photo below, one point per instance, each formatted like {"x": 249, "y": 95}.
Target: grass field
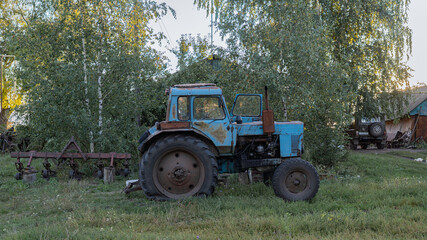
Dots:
{"x": 374, "y": 196}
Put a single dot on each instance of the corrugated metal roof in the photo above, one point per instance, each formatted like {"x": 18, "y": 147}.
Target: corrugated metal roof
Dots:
{"x": 418, "y": 97}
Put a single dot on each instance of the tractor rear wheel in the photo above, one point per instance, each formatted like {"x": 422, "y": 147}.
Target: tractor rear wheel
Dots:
{"x": 295, "y": 180}
{"x": 176, "y": 167}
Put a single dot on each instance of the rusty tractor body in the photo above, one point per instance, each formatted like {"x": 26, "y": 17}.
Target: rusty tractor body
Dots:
{"x": 183, "y": 155}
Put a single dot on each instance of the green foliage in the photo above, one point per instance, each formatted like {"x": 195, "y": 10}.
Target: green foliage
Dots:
{"x": 372, "y": 42}
{"x": 87, "y": 67}
{"x": 323, "y": 60}
{"x": 191, "y": 50}
{"x": 379, "y": 197}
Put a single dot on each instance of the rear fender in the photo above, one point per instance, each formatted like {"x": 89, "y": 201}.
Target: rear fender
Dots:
{"x": 152, "y": 138}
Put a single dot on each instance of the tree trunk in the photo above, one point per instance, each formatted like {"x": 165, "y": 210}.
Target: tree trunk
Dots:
{"x": 100, "y": 99}
{"x": 4, "y": 116}
{"x": 92, "y": 146}
{"x": 100, "y": 73}
{"x": 285, "y": 109}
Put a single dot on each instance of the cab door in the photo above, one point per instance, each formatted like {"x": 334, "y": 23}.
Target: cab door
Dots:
{"x": 211, "y": 118}
{"x": 248, "y": 107}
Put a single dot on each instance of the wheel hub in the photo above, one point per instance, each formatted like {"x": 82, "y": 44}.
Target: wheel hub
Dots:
{"x": 178, "y": 174}
{"x": 296, "y": 181}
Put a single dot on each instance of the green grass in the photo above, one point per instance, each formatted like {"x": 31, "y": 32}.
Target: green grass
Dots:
{"x": 380, "y": 196}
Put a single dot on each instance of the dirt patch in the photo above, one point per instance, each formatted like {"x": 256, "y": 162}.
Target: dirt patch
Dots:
{"x": 419, "y": 155}
{"x": 387, "y": 150}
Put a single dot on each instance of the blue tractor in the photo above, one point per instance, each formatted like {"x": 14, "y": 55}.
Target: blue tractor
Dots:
{"x": 200, "y": 139}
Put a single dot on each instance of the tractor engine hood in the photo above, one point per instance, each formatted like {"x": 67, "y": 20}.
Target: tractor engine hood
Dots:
{"x": 255, "y": 128}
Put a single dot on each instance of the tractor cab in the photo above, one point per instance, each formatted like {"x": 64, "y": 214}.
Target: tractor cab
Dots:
{"x": 200, "y": 110}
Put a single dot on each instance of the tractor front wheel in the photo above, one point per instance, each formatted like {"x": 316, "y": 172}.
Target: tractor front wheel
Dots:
{"x": 177, "y": 167}
{"x": 295, "y": 180}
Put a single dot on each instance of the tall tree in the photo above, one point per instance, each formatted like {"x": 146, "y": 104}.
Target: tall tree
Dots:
{"x": 83, "y": 63}
{"x": 372, "y": 42}
{"x": 292, "y": 46}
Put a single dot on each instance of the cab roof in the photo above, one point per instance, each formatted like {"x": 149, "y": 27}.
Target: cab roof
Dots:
{"x": 195, "y": 89}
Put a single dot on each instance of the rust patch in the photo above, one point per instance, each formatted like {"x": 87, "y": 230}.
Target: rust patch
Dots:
{"x": 174, "y": 125}
{"x": 219, "y": 134}
{"x": 167, "y": 110}
{"x": 268, "y": 121}
{"x": 202, "y": 126}
{"x": 174, "y": 111}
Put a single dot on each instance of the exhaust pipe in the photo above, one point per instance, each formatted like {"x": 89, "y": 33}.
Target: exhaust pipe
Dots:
{"x": 267, "y": 117}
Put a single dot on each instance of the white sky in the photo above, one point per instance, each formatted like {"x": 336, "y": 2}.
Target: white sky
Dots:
{"x": 189, "y": 20}
{"x": 418, "y": 22}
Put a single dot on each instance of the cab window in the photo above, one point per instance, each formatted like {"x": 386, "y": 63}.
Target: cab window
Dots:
{"x": 247, "y": 106}
{"x": 183, "y": 108}
{"x": 208, "y": 108}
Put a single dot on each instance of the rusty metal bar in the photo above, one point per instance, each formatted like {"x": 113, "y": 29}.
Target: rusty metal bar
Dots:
{"x": 70, "y": 155}
{"x": 112, "y": 159}
{"x": 31, "y": 159}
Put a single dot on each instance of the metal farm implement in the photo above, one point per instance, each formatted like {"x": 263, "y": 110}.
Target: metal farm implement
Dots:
{"x": 28, "y": 173}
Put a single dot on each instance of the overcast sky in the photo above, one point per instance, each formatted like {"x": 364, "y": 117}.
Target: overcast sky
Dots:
{"x": 189, "y": 20}
{"x": 418, "y": 24}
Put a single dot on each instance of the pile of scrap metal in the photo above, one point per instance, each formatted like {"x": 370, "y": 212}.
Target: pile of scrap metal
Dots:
{"x": 401, "y": 139}
{"x": 10, "y": 142}
{"x": 406, "y": 138}
{"x": 6, "y": 141}
{"x": 69, "y": 154}
{"x": 412, "y": 125}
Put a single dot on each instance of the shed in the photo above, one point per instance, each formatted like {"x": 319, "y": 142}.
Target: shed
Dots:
{"x": 415, "y": 121}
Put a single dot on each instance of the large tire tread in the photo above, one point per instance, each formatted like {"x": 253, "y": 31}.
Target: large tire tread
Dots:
{"x": 146, "y": 182}
{"x": 287, "y": 166}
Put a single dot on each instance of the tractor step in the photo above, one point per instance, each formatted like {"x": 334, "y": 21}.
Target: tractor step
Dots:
{"x": 132, "y": 186}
